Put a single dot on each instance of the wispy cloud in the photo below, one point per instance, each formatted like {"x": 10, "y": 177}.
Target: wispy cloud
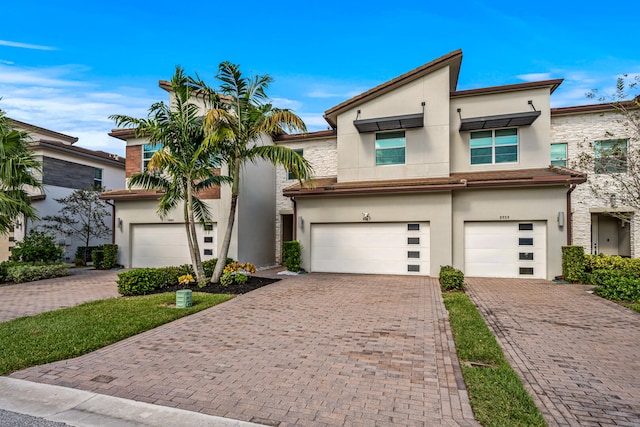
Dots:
{"x": 325, "y": 93}
{"x": 25, "y": 45}
{"x": 533, "y": 77}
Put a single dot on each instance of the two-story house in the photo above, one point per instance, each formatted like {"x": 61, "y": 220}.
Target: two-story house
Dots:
{"x": 65, "y": 168}
{"x": 427, "y": 175}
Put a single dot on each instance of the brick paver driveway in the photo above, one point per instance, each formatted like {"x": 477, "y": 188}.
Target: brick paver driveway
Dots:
{"x": 318, "y": 349}
{"x": 578, "y": 353}
{"x": 26, "y": 299}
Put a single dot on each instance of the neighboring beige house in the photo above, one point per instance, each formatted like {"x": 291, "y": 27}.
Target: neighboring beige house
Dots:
{"x": 412, "y": 175}
{"x": 65, "y": 168}
{"x": 579, "y": 129}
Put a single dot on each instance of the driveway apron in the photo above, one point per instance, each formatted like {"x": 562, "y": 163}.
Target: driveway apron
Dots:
{"x": 578, "y": 354}
{"x": 83, "y": 285}
{"x": 317, "y": 349}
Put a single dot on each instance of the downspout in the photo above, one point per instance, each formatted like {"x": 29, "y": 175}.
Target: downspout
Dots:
{"x": 113, "y": 221}
{"x": 295, "y": 219}
{"x": 569, "y": 214}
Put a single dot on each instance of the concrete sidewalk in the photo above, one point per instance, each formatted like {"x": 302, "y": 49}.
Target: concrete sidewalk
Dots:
{"x": 577, "y": 353}
{"x": 316, "y": 349}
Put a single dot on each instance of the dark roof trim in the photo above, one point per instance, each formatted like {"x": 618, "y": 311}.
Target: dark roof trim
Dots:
{"x": 123, "y": 134}
{"x": 131, "y": 195}
{"x": 499, "y": 121}
{"x": 454, "y": 59}
{"x": 595, "y": 108}
{"x": 406, "y": 121}
{"x": 321, "y": 134}
{"x": 553, "y": 84}
{"x": 96, "y": 155}
{"x": 34, "y": 128}
{"x": 37, "y": 197}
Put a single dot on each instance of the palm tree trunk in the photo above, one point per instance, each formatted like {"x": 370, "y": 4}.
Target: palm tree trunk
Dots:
{"x": 192, "y": 238}
{"x": 224, "y": 251}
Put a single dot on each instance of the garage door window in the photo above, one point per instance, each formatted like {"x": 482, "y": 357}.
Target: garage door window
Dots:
{"x": 525, "y": 241}
{"x": 413, "y": 268}
{"x": 413, "y": 240}
{"x": 413, "y": 254}
{"x": 525, "y": 226}
{"x": 526, "y": 256}
{"x": 526, "y": 270}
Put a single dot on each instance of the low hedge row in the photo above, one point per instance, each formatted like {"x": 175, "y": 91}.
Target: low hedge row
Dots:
{"x": 617, "y": 285}
{"x": 143, "y": 281}
{"x": 451, "y": 279}
{"x": 24, "y": 272}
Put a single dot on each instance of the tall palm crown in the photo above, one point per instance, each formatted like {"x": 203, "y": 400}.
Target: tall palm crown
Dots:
{"x": 17, "y": 168}
{"x": 234, "y": 130}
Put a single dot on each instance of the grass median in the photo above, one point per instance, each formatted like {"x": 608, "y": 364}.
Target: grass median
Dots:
{"x": 74, "y": 331}
{"x": 497, "y": 395}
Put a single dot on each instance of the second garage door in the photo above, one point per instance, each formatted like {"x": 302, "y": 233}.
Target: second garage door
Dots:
{"x": 371, "y": 248}
{"x": 505, "y": 249}
{"x": 160, "y": 245}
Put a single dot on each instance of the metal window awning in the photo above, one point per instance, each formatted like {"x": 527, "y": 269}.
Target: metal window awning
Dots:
{"x": 500, "y": 121}
{"x": 406, "y": 121}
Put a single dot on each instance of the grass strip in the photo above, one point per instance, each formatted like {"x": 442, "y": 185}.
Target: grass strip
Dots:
{"x": 497, "y": 395}
{"x": 74, "y": 331}
{"x": 635, "y": 306}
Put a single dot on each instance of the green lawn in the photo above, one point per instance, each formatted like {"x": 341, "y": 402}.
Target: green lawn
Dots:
{"x": 497, "y": 395}
{"x": 71, "y": 332}
{"x": 635, "y": 306}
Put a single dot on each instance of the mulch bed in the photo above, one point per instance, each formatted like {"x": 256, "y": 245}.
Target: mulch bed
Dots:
{"x": 216, "y": 288}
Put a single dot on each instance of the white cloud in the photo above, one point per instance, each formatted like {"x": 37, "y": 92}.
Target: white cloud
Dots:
{"x": 314, "y": 122}
{"x": 291, "y": 104}
{"x": 326, "y": 93}
{"x": 25, "y": 45}
{"x": 534, "y": 77}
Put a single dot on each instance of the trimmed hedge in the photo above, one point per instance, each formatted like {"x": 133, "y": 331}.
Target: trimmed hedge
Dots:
{"x": 451, "y": 279}
{"x": 617, "y": 285}
{"x": 292, "y": 255}
{"x": 573, "y": 263}
{"x": 109, "y": 256}
{"x": 84, "y": 252}
{"x": 20, "y": 273}
{"x": 143, "y": 281}
{"x": 610, "y": 262}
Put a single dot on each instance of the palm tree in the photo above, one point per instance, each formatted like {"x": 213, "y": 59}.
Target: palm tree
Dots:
{"x": 17, "y": 167}
{"x": 234, "y": 129}
{"x": 184, "y": 165}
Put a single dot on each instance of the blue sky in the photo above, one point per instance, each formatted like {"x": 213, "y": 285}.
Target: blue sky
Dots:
{"x": 68, "y": 65}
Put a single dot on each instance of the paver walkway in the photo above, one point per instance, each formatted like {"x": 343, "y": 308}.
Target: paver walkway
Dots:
{"x": 26, "y": 299}
{"x": 317, "y": 349}
{"x": 578, "y": 353}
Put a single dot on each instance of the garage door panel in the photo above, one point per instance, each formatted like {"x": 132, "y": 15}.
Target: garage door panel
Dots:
{"x": 492, "y": 249}
{"x": 373, "y": 248}
{"x": 160, "y": 245}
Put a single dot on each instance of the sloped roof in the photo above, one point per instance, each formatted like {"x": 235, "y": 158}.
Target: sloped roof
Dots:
{"x": 552, "y": 84}
{"x": 456, "y": 181}
{"x": 98, "y": 155}
{"x": 453, "y": 59}
{"x": 131, "y": 195}
{"x": 51, "y": 133}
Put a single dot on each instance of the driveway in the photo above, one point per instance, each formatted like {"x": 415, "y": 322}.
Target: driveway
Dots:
{"x": 27, "y": 299}
{"x": 578, "y": 354}
{"x": 317, "y": 349}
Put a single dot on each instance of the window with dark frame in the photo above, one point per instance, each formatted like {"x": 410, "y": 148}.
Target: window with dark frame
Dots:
{"x": 97, "y": 178}
{"x": 291, "y": 175}
{"x": 390, "y": 148}
{"x": 494, "y": 146}
{"x": 610, "y": 156}
{"x": 559, "y": 154}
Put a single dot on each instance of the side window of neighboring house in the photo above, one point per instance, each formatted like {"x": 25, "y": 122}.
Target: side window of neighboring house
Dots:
{"x": 610, "y": 156}
{"x": 559, "y": 155}
{"x": 494, "y": 146}
{"x": 147, "y": 152}
{"x": 291, "y": 175}
{"x": 390, "y": 148}
{"x": 97, "y": 178}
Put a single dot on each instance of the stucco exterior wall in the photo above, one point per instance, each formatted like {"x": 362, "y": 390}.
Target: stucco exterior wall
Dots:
{"x": 517, "y": 204}
{"x": 427, "y": 148}
{"x": 533, "y": 141}
{"x": 323, "y": 156}
{"x": 579, "y": 131}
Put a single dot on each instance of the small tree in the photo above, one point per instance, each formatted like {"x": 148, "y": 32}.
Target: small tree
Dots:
{"x": 616, "y": 157}
{"x": 82, "y": 216}
{"x": 37, "y": 246}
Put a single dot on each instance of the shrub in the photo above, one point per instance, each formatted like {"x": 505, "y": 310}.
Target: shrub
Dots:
{"x": 210, "y": 265}
{"x": 240, "y": 278}
{"x": 79, "y": 262}
{"x": 618, "y": 285}
{"x": 227, "y": 279}
{"x": 143, "y": 281}
{"x": 97, "y": 257}
{"x": 37, "y": 246}
{"x": 451, "y": 279}
{"x": 573, "y": 263}
{"x": 292, "y": 255}
{"x": 85, "y": 252}
{"x": 110, "y": 256}
{"x": 610, "y": 262}
{"x": 21, "y": 273}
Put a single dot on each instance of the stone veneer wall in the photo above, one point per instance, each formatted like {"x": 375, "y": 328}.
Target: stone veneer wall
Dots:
{"x": 579, "y": 131}
{"x": 323, "y": 156}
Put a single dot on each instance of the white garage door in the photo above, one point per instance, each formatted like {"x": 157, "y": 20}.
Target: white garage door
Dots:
{"x": 505, "y": 249}
{"x": 160, "y": 245}
{"x": 371, "y": 248}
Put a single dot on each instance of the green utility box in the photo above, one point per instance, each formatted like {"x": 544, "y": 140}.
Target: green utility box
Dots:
{"x": 183, "y": 298}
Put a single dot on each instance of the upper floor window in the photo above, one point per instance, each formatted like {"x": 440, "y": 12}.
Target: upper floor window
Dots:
{"x": 610, "y": 156}
{"x": 494, "y": 146}
{"x": 390, "y": 148}
{"x": 97, "y": 178}
{"x": 291, "y": 175}
{"x": 147, "y": 152}
{"x": 559, "y": 155}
